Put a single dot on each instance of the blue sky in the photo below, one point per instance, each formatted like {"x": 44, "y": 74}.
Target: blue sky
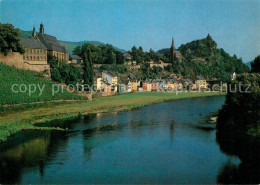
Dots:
{"x": 233, "y": 24}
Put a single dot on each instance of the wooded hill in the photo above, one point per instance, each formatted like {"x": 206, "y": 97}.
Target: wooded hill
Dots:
{"x": 202, "y": 57}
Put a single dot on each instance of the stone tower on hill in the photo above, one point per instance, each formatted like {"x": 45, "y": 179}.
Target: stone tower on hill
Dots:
{"x": 172, "y": 52}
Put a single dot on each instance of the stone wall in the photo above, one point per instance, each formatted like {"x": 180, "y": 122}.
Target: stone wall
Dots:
{"x": 16, "y": 59}
{"x": 13, "y": 59}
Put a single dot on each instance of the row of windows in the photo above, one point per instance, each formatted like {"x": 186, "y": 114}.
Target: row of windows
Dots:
{"x": 38, "y": 51}
{"x": 34, "y": 58}
{"x": 59, "y": 55}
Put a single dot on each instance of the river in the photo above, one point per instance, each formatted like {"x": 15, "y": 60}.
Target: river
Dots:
{"x": 162, "y": 143}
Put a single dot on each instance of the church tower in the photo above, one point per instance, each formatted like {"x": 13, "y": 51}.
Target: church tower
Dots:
{"x": 172, "y": 52}
{"x": 34, "y": 32}
{"x": 41, "y": 28}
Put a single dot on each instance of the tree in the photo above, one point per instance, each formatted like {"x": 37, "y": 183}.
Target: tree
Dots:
{"x": 77, "y": 50}
{"x": 88, "y": 75}
{"x": 10, "y": 39}
{"x": 119, "y": 57}
{"x": 255, "y": 66}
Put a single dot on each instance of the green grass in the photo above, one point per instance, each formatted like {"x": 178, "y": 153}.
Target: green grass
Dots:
{"x": 11, "y": 75}
{"x": 21, "y": 120}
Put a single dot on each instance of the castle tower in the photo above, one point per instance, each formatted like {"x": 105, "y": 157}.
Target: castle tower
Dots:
{"x": 34, "y": 32}
{"x": 172, "y": 52}
{"x": 41, "y": 28}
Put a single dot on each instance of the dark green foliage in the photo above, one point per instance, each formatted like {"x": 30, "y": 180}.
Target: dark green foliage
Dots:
{"x": 11, "y": 75}
{"x": 242, "y": 108}
{"x": 238, "y": 125}
{"x": 199, "y": 48}
{"x": 148, "y": 73}
{"x": 88, "y": 75}
{"x": 64, "y": 73}
{"x": 255, "y": 65}
{"x": 10, "y": 39}
{"x": 101, "y": 54}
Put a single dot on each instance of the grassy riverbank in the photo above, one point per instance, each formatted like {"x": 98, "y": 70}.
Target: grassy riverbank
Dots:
{"x": 11, "y": 123}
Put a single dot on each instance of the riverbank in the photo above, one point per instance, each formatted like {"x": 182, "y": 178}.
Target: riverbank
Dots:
{"x": 12, "y": 123}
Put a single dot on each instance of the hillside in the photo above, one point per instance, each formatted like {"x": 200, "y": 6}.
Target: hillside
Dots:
{"x": 202, "y": 57}
{"x": 11, "y": 75}
{"x": 68, "y": 44}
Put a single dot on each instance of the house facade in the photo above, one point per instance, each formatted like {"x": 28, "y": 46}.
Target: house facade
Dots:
{"x": 51, "y": 43}
{"x": 201, "y": 82}
{"x": 134, "y": 86}
{"x": 154, "y": 85}
{"x": 109, "y": 77}
{"x": 75, "y": 59}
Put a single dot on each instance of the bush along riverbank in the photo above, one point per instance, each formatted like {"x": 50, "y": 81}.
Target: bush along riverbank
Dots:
{"x": 238, "y": 130}
{"x": 13, "y": 122}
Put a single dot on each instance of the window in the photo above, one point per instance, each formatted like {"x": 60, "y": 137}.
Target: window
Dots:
{"x": 33, "y": 51}
{"x": 41, "y": 58}
{"x": 37, "y": 51}
{"x": 30, "y": 57}
{"x": 38, "y": 58}
{"x": 33, "y": 57}
{"x": 27, "y": 57}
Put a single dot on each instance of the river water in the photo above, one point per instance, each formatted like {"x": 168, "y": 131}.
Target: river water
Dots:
{"x": 162, "y": 143}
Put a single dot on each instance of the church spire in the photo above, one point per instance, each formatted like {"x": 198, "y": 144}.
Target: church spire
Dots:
{"x": 34, "y": 32}
{"x": 172, "y": 46}
{"x": 41, "y": 28}
{"x": 172, "y": 52}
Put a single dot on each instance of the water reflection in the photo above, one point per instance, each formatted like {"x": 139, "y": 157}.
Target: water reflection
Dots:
{"x": 163, "y": 143}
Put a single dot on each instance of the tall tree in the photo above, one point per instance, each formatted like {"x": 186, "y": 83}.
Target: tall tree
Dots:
{"x": 255, "y": 66}
{"x": 88, "y": 76}
{"x": 10, "y": 39}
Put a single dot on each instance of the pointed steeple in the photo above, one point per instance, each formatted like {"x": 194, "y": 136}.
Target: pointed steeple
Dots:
{"x": 41, "y": 28}
{"x": 172, "y": 52}
{"x": 34, "y": 32}
{"x": 172, "y": 46}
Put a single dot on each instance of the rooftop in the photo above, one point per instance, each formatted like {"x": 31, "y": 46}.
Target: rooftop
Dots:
{"x": 32, "y": 43}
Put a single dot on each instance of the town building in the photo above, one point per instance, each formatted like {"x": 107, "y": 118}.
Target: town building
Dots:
{"x": 132, "y": 65}
{"x": 149, "y": 87}
{"x": 201, "y": 82}
{"x": 129, "y": 86}
{"x": 160, "y": 64}
{"x": 75, "y": 59}
{"x": 52, "y": 44}
{"x": 127, "y": 56}
{"x": 154, "y": 85}
{"x": 35, "y": 54}
{"x": 187, "y": 84}
{"x": 97, "y": 80}
{"x": 233, "y": 76}
{"x": 134, "y": 85}
{"x": 109, "y": 77}
{"x": 34, "y": 57}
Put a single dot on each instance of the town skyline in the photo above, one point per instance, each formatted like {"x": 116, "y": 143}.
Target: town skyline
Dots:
{"x": 185, "y": 21}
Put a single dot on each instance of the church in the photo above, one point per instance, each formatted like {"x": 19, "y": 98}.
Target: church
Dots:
{"x": 37, "y": 48}
{"x": 175, "y": 54}
{"x": 51, "y": 43}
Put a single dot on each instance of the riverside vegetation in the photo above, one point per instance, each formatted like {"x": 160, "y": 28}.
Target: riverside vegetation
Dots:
{"x": 238, "y": 127}
{"x": 11, "y": 123}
